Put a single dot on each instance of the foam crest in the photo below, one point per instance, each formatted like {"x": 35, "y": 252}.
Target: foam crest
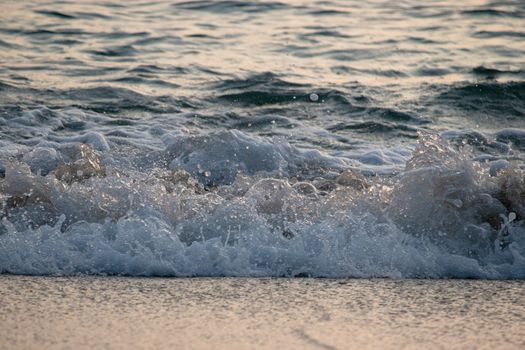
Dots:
{"x": 229, "y": 204}
{"x": 217, "y": 158}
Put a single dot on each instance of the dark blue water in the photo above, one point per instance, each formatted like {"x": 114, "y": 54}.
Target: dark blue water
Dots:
{"x": 329, "y": 138}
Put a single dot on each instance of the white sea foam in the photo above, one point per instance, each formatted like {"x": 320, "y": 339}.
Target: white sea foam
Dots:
{"x": 232, "y": 204}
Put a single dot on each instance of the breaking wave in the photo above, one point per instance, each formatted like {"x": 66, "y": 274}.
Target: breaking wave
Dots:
{"x": 231, "y": 204}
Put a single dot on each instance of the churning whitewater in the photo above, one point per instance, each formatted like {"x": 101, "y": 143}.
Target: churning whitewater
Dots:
{"x": 230, "y": 204}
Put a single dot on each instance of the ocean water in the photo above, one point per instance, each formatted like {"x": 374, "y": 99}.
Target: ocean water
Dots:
{"x": 263, "y": 138}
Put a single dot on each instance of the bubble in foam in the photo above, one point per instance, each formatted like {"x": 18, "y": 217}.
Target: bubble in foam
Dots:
{"x": 42, "y": 159}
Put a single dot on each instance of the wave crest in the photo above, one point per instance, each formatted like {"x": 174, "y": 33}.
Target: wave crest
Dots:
{"x": 445, "y": 215}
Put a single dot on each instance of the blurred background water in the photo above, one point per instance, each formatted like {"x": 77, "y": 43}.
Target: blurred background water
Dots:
{"x": 382, "y": 70}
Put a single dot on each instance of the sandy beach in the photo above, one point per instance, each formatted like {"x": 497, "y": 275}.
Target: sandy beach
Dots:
{"x": 248, "y": 313}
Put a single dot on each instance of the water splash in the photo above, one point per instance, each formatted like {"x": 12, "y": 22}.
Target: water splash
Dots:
{"x": 444, "y": 216}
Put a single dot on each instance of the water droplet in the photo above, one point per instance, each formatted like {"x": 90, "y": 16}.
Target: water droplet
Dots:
{"x": 314, "y": 97}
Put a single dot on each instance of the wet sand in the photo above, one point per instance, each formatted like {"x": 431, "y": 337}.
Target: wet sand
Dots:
{"x": 248, "y": 313}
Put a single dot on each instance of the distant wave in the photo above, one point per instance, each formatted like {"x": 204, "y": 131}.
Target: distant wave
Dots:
{"x": 488, "y": 97}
